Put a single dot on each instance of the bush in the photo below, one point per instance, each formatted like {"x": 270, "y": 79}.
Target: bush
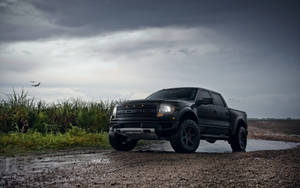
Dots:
{"x": 20, "y": 113}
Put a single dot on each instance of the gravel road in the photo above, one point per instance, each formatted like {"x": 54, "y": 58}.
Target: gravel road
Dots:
{"x": 156, "y": 166}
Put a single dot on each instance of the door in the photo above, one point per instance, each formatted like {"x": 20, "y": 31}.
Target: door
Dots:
{"x": 221, "y": 115}
{"x": 204, "y": 112}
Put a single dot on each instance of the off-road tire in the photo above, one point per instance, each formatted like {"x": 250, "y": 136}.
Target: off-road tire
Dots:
{"x": 187, "y": 137}
{"x": 238, "y": 141}
{"x": 121, "y": 143}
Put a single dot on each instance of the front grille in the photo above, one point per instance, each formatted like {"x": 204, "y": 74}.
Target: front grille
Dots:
{"x": 136, "y": 110}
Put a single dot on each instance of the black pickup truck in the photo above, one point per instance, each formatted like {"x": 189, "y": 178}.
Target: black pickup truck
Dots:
{"x": 181, "y": 115}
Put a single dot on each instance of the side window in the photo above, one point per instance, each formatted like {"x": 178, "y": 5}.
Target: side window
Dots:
{"x": 217, "y": 99}
{"x": 203, "y": 94}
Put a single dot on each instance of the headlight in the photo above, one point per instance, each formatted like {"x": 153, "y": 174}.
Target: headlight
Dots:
{"x": 114, "y": 113}
{"x": 165, "y": 109}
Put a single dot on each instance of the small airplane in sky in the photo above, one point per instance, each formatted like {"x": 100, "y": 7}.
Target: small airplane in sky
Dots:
{"x": 35, "y": 85}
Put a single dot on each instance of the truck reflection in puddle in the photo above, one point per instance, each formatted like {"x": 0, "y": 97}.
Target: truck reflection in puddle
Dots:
{"x": 222, "y": 146}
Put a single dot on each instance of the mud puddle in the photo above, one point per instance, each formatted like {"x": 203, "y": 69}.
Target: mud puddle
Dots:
{"x": 222, "y": 146}
{"x": 108, "y": 168}
{"x": 46, "y": 163}
{"x": 37, "y": 164}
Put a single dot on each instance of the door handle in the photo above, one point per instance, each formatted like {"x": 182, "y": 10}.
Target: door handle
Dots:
{"x": 215, "y": 111}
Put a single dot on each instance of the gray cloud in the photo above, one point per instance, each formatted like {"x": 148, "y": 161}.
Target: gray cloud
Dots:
{"x": 248, "y": 19}
{"x": 249, "y": 50}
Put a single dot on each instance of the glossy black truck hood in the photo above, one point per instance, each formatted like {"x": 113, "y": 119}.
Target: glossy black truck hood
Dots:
{"x": 156, "y": 101}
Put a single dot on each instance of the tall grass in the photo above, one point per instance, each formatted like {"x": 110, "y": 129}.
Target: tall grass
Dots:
{"x": 21, "y": 113}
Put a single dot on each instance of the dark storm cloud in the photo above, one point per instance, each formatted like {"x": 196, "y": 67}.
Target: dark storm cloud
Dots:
{"x": 267, "y": 26}
{"x": 244, "y": 20}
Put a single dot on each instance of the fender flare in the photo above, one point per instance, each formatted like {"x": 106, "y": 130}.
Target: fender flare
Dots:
{"x": 236, "y": 123}
{"x": 187, "y": 110}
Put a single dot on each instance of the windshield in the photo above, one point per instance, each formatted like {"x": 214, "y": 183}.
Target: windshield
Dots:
{"x": 177, "y": 93}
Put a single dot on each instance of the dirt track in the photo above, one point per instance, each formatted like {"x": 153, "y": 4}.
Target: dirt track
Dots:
{"x": 283, "y": 130}
{"x": 157, "y": 169}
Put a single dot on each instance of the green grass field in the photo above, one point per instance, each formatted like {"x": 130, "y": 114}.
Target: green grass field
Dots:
{"x": 27, "y": 124}
{"x": 15, "y": 142}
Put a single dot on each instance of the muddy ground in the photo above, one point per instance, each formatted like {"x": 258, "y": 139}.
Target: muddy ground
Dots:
{"x": 152, "y": 168}
{"x": 283, "y": 130}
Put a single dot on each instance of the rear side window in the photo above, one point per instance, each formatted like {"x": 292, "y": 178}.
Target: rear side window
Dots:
{"x": 218, "y": 99}
{"x": 203, "y": 94}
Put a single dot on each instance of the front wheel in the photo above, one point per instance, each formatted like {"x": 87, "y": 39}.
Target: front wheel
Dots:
{"x": 238, "y": 141}
{"x": 187, "y": 137}
{"x": 121, "y": 143}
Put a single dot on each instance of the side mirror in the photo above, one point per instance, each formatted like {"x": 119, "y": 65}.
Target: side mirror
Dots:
{"x": 204, "y": 101}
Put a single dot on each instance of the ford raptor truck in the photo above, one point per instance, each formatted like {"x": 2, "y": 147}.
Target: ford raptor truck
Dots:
{"x": 182, "y": 116}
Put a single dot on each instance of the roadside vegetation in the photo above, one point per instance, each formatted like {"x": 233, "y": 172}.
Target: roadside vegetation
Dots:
{"x": 30, "y": 124}
{"x": 18, "y": 142}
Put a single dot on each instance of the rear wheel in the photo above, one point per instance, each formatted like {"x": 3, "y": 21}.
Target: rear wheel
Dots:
{"x": 121, "y": 143}
{"x": 238, "y": 141}
{"x": 187, "y": 137}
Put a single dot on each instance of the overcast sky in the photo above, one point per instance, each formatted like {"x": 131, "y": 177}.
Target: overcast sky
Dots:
{"x": 109, "y": 49}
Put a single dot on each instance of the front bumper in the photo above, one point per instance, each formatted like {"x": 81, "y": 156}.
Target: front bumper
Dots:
{"x": 136, "y": 133}
{"x": 138, "y": 129}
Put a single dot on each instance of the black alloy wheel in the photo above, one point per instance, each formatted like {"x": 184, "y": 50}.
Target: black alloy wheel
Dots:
{"x": 187, "y": 137}
{"x": 238, "y": 141}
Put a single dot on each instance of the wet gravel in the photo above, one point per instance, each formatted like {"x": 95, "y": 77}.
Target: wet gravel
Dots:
{"x": 153, "y": 168}
{"x": 158, "y": 166}
{"x": 221, "y": 146}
